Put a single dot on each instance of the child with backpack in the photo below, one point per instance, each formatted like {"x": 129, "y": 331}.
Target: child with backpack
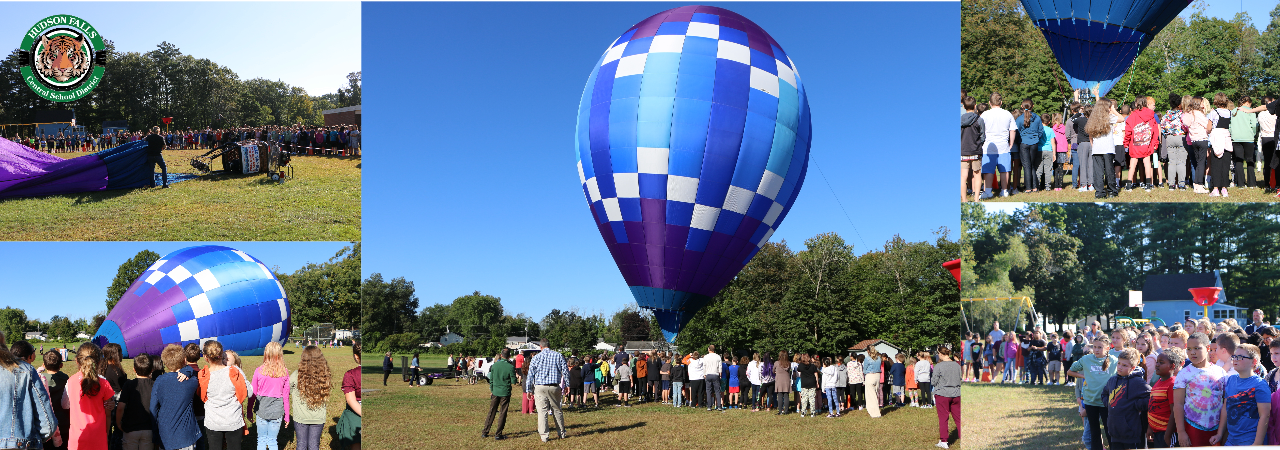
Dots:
{"x": 1141, "y": 137}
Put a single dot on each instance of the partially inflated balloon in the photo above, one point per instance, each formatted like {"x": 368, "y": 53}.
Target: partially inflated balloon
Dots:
{"x": 197, "y": 294}
{"x": 692, "y": 142}
{"x": 1096, "y": 41}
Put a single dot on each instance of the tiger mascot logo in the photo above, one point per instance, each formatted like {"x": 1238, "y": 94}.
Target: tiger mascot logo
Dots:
{"x": 62, "y": 58}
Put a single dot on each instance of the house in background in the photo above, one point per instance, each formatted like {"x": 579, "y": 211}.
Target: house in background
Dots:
{"x": 514, "y": 342}
{"x": 36, "y": 336}
{"x": 450, "y": 338}
{"x": 1166, "y": 297}
{"x": 882, "y": 346}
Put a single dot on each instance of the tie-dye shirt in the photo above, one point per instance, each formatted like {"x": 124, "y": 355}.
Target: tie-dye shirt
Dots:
{"x": 1203, "y": 404}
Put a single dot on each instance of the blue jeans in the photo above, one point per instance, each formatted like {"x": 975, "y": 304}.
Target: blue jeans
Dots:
{"x": 1008, "y": 371}
{"x": 676, "y": 396}
{"x": 267, "y": 432}
{"x": 833, "y": 402}
{"x": 152, "y": 161}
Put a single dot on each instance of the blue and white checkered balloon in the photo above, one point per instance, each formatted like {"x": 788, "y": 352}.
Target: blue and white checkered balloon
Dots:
{"x": 692, "y": 141}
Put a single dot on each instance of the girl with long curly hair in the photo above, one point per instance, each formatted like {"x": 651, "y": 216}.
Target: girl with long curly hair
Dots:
{"x": 86, "y": 396}
{"x": 309, "y": 388}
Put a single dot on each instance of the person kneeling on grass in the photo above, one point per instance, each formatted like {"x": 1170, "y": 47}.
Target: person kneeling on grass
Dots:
{"x": 1247, "y": 402}
{"x": 1127, "y": 398}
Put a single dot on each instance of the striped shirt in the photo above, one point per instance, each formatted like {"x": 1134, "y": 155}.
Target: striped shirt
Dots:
{"x": 1160, "y": 407}
{"x": 547, "y": 367}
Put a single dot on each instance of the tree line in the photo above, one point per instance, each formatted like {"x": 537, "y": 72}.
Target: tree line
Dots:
{"x": 1002, "y": 50}
{"x": 823, "y": 298}
{"x": 1077, "y": 260}
{"x": 142, "y": 88}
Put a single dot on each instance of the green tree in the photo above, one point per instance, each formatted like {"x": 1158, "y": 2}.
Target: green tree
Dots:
{"x": 389, "y": 309}
{"x": 13, "y": 322}
{"x": 473, "y": 313}
{"x": 128, "y": 272}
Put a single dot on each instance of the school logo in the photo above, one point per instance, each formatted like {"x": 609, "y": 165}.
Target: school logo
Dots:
{"x": 62, "y": 58}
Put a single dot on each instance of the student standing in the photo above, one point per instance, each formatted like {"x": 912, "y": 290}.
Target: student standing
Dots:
{"x": 1094, "y": 370}
{"x": 1031, "y": 130}
{"x": 972, "y": 137}
{"x": 1141, "y": 137}
{"x": 1127, "y": 396}
{"x": 271, "y": 395}
{"x": 309, "y": 394}
{"x": 27, "y": 413}
{"x": 829, "y": 387}
{"x": 1197, "y": 395}
{"x": 808, "y": 385}
{"x": 55, "y": 381}
{"x": 133, "y": 413}
{"x": 923, "y": 372}
{"x": 782, "y": 382}
{"x": 1160, "y": 409}
{"x": 224, "y": 390}
{"x": 712, "y": 364}
{"x": 1247, "y": 402}
{"x": 88, "y": 396}
{"x": 998, "y": 143}
{"x": 172, "y": 395}
{"x": 1244, "y": 136}
{"x": 548, "y": 374}
{"x": 946, "y": 381}
{"x": 1103, "y": 149}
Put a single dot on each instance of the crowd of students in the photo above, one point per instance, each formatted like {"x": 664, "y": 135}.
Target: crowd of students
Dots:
{"x": 807, "y": 384}
{"x": 1194, "y": 384}
{"x": 172, "y": 403}
{"x": 1204, "y": 144}
{"x": 296, "y": 138}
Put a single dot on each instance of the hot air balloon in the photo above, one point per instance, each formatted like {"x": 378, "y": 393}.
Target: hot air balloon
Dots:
{"x": 25, "y": 172}
{"x": 197, "y": 294}
{"x": 692, "y": 141}
{"x": 1096, "y": 41}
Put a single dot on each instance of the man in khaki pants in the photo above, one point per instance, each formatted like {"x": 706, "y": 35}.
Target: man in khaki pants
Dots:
{"x": 548, "y": 373}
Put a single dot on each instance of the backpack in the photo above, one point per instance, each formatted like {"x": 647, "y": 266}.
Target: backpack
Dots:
{"x": 1142, "y": 134}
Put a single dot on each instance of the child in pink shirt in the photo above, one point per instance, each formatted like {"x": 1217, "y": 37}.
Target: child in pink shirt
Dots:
{"x": 85, "y": 396}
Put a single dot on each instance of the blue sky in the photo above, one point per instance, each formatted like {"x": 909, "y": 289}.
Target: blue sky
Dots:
{"x": 313, "y": 45}
{"x": 71, "y": 278}
{"x": 1259, "y": 10}
{"x": 471, "y": 181}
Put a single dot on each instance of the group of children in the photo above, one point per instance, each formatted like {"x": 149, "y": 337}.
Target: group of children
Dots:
{"x": 173, "y": 403}
{"x": 1207, "y": 144}
{"x": 1157, "y": 387}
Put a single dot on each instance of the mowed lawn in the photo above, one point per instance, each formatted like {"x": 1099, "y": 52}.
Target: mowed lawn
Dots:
{"x": 1161, "y": 194}
{"x": 401, "y": 416}
{"x": 340, "y": 361}
{"x": 321, "y": 204}
{"x": 1020, "y": 417}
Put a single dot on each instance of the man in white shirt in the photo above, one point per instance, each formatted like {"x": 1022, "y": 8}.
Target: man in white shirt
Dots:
{"x": 996, "y": 334}
{"x": 712, "y": 364}
{"x": 1000, "y": 133}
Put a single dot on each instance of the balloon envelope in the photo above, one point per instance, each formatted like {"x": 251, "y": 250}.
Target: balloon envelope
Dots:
{"x": 1096, "y": 41}
{"x": 692, "y": 142}
{"x": 197, "y": 294}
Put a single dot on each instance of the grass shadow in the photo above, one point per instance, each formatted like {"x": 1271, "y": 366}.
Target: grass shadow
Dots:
{"x": 614, "y": 428}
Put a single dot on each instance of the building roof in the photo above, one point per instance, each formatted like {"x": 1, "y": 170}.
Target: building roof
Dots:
{"x": 355, "y": 108}
{"x": 861, "y": 346}
{"x": 55, "y": 116}
{"x": 517, "y": 339}
{"x": 115, "y": 124}
{"x": 1174, "y": 286}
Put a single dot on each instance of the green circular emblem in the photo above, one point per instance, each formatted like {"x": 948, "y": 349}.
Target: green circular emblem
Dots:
{"x": 62, "y": 58}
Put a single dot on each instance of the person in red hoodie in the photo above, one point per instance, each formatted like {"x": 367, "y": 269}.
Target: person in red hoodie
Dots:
{"x": 1141, "y": 135}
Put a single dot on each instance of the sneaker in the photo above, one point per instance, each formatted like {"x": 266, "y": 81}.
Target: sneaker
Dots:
{"x": 1173, "y": 187}
{"x": 942, "y": 444}
{"x": 1004, "y": 193}
{"x": 544, "y": 439}
{"x": 1082, "y": 189}
{"x": 1224, "y": 193}
{"x": 829, "y": 416}
{"x": 917, "y": 405}
{"x": 1214, "y": 193}
{"x": 1199, "y": 189}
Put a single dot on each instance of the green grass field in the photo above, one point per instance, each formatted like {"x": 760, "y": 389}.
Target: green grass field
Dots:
{"x": 406, "y": 417}
{"x": 339, "y": 360}
{"x": 321, "y": 204}
{"x": 1020, "y": 417}
{"x": 1139, "y": 195}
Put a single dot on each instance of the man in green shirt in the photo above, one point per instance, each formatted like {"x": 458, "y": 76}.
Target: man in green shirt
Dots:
{"x": 501, "y": 376}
